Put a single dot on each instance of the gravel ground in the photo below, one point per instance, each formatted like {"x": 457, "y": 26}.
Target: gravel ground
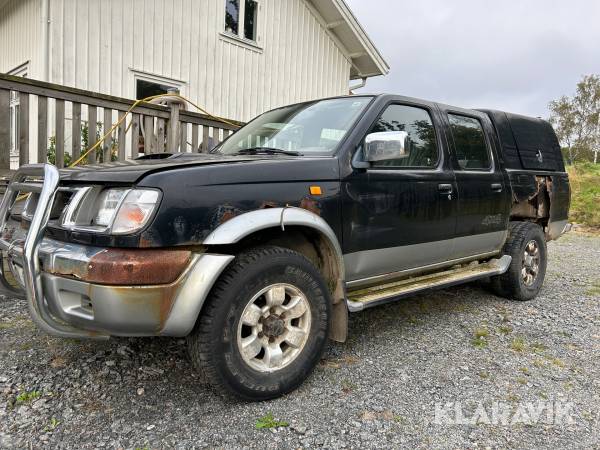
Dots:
{"x": 460, "y": 346}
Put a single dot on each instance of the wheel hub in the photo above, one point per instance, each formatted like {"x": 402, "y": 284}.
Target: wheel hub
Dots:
{"x": 531, "y": 263}
{"x": 273, "y": 326}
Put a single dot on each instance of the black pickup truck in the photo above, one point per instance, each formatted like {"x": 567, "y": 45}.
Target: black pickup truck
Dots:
{"x": 257, "y": 251}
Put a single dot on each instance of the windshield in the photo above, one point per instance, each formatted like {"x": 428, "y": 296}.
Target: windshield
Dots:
{"x": 314, "y": 128}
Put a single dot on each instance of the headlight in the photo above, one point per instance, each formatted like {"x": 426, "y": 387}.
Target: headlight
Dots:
{"x": 135, "y": 211}
{"x": 108, "y": 203}
{"x": 114, "y": 210}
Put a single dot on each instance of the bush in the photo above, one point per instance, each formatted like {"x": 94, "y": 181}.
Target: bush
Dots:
{"x": 51, "y": 152}
{"x": 585, "y": 194}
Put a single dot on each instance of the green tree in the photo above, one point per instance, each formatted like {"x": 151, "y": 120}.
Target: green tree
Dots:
{"x": 577, "y": 120}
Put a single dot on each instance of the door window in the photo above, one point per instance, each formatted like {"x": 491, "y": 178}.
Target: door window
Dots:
{"x": 423, "y": 151}
{"x": 469, "y": 143}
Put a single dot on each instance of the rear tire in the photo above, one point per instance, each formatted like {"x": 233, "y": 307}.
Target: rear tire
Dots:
{"x": 264, "y": 326}
{"x": 523, "y": 280}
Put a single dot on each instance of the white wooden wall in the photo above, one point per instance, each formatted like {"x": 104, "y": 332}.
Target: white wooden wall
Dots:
{"x": 100, "y": 44}
{"x": 20, "y": 36}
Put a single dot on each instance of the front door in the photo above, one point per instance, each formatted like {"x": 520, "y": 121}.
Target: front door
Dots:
{"x": 483, "y": 194}
{"x": 400, "y": 214}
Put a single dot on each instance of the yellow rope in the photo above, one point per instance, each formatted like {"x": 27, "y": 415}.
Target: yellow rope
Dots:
{"x": 135, "y": 104}
{"x": 120, "y": 121}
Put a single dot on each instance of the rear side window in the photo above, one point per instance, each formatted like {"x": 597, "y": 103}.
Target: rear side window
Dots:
{"x": 419, "y": 126}
{"x": 469, "y": 143}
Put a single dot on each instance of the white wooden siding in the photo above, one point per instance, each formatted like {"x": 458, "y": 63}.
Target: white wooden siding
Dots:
{"x": 20, "y": 36}
{"x": 99, "y": 44}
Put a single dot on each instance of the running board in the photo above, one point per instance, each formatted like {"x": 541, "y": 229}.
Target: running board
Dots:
{"x": 385, "y": 293}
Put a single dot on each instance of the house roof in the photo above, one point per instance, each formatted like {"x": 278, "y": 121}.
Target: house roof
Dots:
{"x": 345, "y": 28}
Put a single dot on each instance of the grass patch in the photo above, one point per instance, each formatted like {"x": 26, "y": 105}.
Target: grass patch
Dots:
{"x": 54, "y": 423}
{"x": 481, "y": 332}
{"x": 480, "y": 336}
{"x": 522, "y": 380}
{"x": 505, "y": 329}
{"x": 585, "y": 186}
{"x": 268, "y": 421}
{"x": 399, "y": 419}
{"x": 538, "y": 348}
{"x": 518, "y": 344}
{"x": 594, "y": 291}
{"x": 479, "y": 343}
{"x": 15, "y": 322}
{"x": 558, "y": 362}
{"x": 512, "y": 397}
{"x": 28, "y": 397}
{"x": 412, "y": 320}
{"x": 538, "y": 363}
{"x": 347, "y": 386}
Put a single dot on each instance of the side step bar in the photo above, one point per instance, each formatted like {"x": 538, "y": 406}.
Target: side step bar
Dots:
{"x": 385, "y": 293}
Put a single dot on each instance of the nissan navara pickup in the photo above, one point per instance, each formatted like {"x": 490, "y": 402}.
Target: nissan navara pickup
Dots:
{"x": 257, "y": 251}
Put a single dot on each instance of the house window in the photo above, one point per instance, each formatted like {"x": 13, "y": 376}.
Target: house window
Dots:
{"x": 241, "y": 18}
{"x": 15, "y": 125}
{"x": 145, "y": 88}
{"x": 250, "y": 13}
{"x": 232, "y": 16}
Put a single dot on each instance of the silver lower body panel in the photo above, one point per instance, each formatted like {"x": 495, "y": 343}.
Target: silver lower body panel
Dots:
{"x": 161, "y": 310}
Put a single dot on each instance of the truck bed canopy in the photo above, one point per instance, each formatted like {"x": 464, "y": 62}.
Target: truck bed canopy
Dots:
{"x": 527, "y": 142}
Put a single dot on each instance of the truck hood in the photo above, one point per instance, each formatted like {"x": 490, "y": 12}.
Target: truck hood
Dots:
{"x": 131, "y": 171}
{"x": 243, "y": 168}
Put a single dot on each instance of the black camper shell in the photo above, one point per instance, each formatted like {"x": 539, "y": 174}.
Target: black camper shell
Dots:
{"x": 527, "y": 143}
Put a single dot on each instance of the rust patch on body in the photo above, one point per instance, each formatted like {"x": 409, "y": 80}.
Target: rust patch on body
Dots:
{"x": 311, "y": 205}
{"x": 122, "y": 267}
{"x": 268, "y": 204}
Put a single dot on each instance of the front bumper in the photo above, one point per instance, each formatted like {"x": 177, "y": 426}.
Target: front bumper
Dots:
{"x": 141, "y": 310}
{"x": 68, "y": 296}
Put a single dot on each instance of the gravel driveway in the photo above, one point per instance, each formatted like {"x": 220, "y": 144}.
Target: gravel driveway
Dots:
{"x": 417, "y": 373}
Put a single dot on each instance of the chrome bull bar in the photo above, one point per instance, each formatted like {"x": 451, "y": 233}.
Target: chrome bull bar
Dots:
{"x": 27, "y": 255}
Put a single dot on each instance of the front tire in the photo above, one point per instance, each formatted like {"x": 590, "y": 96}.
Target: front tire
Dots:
{"x": 264, "y": 326}
{"x": 523, "y": 280}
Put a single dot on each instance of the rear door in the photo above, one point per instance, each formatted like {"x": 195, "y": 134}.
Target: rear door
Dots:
{"x": 483, "y": 191}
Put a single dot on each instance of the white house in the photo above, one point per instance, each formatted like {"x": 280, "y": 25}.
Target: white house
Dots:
{"x": 236, "y": 58}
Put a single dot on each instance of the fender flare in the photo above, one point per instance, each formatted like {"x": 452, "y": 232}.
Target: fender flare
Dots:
{"x": 236, "y": 229}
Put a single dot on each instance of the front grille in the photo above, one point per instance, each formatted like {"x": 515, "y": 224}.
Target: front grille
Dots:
{"x": 62, "y": 199}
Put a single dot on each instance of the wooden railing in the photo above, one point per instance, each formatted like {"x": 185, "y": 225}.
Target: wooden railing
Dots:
{"x": 69, "y": 121}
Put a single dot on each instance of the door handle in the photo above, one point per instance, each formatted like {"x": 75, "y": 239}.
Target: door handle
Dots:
{"x": 445, "y": 188}
{"x": 496, "y": 187}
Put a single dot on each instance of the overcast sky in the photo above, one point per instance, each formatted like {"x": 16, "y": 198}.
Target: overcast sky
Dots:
{"x": 515, "y": 55}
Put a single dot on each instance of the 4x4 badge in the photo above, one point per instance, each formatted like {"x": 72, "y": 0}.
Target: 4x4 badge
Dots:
{"x": 539, "y": 156}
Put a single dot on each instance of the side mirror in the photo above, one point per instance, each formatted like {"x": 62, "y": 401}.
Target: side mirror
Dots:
{"x": 387, "y": 145}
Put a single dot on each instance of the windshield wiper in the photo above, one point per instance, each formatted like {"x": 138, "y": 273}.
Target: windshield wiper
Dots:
{"x": 266, "y": 150}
